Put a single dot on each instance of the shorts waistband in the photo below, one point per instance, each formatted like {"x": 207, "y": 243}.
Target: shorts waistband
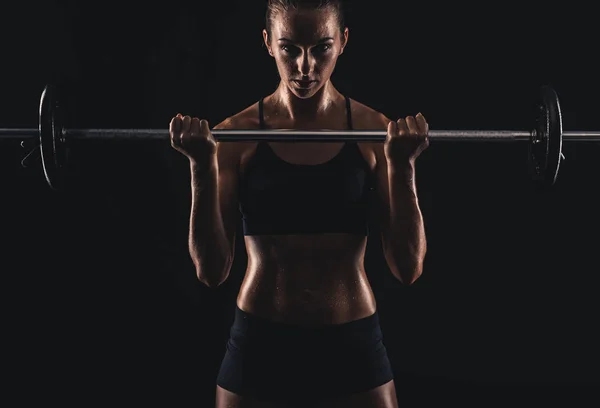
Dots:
{"x": 366, "y": 330}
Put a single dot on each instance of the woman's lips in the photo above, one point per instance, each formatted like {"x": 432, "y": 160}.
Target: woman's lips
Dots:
{"x": 304, "y": 84}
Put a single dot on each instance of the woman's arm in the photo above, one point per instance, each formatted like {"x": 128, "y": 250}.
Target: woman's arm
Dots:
{"x": 214, "y": 214}
{"x": 402, "y": 227}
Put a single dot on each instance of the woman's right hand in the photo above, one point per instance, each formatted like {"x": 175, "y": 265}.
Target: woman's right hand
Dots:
{"x": 192, "y": 137}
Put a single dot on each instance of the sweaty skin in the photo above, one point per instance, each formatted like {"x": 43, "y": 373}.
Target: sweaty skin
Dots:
{"x": 304, "y": 279}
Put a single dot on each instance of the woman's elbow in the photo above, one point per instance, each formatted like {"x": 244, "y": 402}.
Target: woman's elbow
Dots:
{"x": 407, "y": 276}
{"x": 213, "y": 274}
{"x": 406, "y": 272}
{"x": 210, "y": 282}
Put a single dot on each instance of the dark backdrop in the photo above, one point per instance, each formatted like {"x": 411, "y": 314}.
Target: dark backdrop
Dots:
{"x": 100, "y": 299}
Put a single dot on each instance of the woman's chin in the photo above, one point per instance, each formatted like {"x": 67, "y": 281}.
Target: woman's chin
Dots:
{"x": 304, "y": 93}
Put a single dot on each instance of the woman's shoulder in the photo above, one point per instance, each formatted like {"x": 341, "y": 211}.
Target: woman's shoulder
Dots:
{"x": 248, "y": 118}
{"x": 233, "y": 152}
{"x": 367, "y": 118}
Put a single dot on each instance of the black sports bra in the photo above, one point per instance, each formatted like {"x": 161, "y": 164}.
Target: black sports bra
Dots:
{"x": 281, "y": 198}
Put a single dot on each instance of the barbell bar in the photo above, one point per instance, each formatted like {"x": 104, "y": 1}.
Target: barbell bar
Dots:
{"x": 292, "y": 135}
{"x": 281, "y": 135}
{"x": 278, "y": 135}
{"x": 545, "y": 139}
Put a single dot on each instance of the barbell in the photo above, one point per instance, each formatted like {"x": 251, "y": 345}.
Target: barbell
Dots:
{"x": 545, "y": 138}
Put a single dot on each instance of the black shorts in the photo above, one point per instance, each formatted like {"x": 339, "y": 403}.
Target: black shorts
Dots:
{"x": 276, "y": 361}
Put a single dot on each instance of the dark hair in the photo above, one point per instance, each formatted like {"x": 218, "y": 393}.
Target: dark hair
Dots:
{"x": 275, "y": 6}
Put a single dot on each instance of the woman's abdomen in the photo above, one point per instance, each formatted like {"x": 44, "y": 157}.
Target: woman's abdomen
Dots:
{"x": 307, "y": 279}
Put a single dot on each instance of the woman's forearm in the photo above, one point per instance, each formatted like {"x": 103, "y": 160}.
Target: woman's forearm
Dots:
{"x": 407, "y": 242}
{"x": 208, "y": 243}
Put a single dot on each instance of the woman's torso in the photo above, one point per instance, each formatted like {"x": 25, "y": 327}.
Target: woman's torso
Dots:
{"x": 307, "y": 278}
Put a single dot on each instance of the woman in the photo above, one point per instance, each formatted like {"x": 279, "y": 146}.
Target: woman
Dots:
{"x": 306, "y": 329}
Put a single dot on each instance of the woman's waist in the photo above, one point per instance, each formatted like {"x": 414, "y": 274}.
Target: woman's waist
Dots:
{"x": 307, "y": 296}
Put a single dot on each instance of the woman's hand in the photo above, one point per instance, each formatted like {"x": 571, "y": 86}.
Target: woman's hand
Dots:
{"x": 192, "y": 137}
{"x": 406, "y": 140}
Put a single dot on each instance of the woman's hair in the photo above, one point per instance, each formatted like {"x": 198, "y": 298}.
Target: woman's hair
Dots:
{"x": 277, "y": 6}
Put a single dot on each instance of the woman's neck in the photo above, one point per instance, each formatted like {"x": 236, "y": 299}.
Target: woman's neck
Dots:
{"x": 306, "y": 109}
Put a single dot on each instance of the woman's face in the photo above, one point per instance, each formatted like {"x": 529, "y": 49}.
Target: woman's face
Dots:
{"x": 306, "y": 45}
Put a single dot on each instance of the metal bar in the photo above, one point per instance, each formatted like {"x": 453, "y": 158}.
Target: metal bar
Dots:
{"x": 299, "y": 135}
{"x": 18, "y": 133}
{"x": 126, "y": 134}
{"x": 581, "y": 136}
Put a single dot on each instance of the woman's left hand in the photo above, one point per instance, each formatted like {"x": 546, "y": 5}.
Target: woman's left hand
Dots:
{"x": 406, "y": 140}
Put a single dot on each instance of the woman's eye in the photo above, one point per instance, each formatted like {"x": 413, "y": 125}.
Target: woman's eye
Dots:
{"x": 323, "y": 48}
{"x": 319, "y": 48}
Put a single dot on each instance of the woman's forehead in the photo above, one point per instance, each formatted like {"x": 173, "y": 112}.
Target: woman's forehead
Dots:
{"x": 305, "y": 25}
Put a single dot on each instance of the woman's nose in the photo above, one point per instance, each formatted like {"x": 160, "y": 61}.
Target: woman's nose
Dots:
{"x": 305, "y": 64}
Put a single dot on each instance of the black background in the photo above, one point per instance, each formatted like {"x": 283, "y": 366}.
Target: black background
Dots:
{"x": 100, "y": 298}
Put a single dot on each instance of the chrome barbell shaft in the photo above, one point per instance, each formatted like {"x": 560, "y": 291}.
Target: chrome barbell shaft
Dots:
{"x": 298, "y": 135}
{"x": 222, "y": 135}
{"x": 582, "y": 136}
